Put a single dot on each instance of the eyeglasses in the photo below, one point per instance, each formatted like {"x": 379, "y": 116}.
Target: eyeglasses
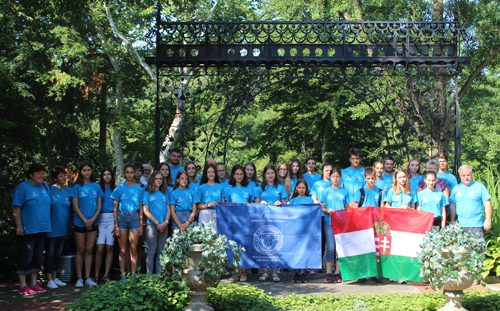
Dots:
{"x": 221, "y": 171}
{"x": 282, "y": 169}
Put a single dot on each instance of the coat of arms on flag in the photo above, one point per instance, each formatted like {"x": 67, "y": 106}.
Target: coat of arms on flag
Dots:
{"x": 382, "y": 239}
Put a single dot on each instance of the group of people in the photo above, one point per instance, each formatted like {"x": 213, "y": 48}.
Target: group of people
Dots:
{"x": 152, "y": 204}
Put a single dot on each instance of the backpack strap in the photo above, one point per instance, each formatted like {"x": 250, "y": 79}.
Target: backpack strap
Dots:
{"x": 362, "y": 200}
{"x": 380, "y": 192}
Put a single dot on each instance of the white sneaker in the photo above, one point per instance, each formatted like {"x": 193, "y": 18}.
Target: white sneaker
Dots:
{"x": 79, "y": 283}
{"x": 278, "y": 271}
{"x": 59, "y": 282}
{"x": 227, "y": 273}
{"x": 52, "y": 285}
{"x": 402, "y": 281}
{"x": 90, "y": 282}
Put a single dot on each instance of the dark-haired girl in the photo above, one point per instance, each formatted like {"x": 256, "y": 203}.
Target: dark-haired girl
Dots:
{"x": 251, "y": 173}
{"x": 164, "y": 169}
{"x": 295, "y": 169}
{"x": 61, "y": 223}
{"x": 87, "y": 199}
{"x": 156, "y": 203}
{"x": 431, "y": 200}
{"x": 283, "y": 178}
{"x": 192, "y": 172}
{"x": 210, "y": 192}
{"x": 127, "y": 216}
{"x": 238, "y": 191}
{"x": 183, "y": 204}
{"x": 106, "y": 225}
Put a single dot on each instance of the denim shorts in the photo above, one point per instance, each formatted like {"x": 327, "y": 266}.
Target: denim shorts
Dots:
{"x": 183, "y": 216}
{"x": 330, "y": 242}
{"x": 128, "y": 221}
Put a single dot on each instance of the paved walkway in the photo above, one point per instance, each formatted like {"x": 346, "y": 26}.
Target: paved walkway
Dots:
{"x": 56, "y": 299}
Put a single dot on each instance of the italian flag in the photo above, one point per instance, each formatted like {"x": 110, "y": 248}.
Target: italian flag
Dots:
{"x": 374, "y": 241}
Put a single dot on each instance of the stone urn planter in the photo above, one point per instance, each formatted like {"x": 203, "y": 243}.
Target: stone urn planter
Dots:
{"x": 198, "y": 290}
{"x": 449, "y": 260}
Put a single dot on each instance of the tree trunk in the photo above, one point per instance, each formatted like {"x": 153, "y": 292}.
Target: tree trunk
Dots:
{"x": 117, "y": 132}
{"x": 103, "y": 122}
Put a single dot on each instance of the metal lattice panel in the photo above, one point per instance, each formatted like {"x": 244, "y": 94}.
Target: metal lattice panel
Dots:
{"x": 380, "y": 43}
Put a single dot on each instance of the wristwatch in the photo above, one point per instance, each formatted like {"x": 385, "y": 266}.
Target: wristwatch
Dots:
{"x": 488, "y": 220}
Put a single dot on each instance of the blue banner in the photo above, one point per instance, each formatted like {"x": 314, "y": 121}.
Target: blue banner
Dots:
{"x": 282, "y": 237}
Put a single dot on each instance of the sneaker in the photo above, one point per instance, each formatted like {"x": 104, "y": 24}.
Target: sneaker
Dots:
{"x": 59, "y": 282}
{"x": 361, "y": 281}
{"x": 337, "y": 278}
{"x": 90, "y": 282}
{"x": 278, "y": 271}
{"x": 328, "y": 278}
{"x": 377, "y": 279}
{"x": 26, "y": 290}
{"x": 296, "y": 278}
{"x": 38, "y": 289}
{"x": 310, "y": 271}
{"x": 52, "y": 285}
{"x": 402, "y": 281}
{"x": 79, "y": 283}
{"x": 227, "y": 273}
{"x": 392, "y": 280}
{"x": 303, "y": 278}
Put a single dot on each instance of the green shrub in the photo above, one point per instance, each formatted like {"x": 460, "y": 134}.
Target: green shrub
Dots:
{"x": 237, "y": 297}
{"x": 141, "y": 292}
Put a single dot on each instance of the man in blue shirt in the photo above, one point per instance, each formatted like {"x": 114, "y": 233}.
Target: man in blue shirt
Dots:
{"x": 443, "y": 171}
{"x": 311, "y": 176}
{"x": 388, "y": 168}
{"x": 467, "y": 201}
{"x": 175, "y": 167}
{"x": 353, "y": 177}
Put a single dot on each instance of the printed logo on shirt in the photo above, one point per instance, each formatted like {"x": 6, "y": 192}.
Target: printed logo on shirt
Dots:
{"x": 376, "y": 197}
{"x": 94, "y": 193}
{"x": 179, "y": 200}
{"x": 341, "y": 197}
{"x": 425, "y": 200}
{"x": 82, "y": 194}
{"x": 359, "y": 178}
{"x": 152, "y": 199}
{"x": 459, "y": 194}
{"x": 471, "y": 194}
{"x": 347, "y": 178}
{"x": 44, "y": 193}
{"x": 264, "y": 194}
{"x": 438, "y": 199}
{"x": 123, "y": 196}
{"x": 330, "y": 197}
{"x": 34, "y": 194}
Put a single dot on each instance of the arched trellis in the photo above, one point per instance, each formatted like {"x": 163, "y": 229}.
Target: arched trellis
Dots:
{"x": 416, "y": 64}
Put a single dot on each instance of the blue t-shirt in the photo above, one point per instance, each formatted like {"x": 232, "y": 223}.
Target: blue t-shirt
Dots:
{"x": 398, "y": 200}
{"x": 107, "y": 202}
{"x": 319, "y": 187}
{"x": 304, "y": 200}
{"x": 271, "y": 194}
{"x": 335, "y": 199}
{"x": 450, "y": 178}
{"x": 294, "y": 179}
{"x": 388, "y": 177}
{"x": 292, "y": 187}
{"x": 432, "y": 201}
{"x": 194, "y": 185}
{"x": 174, "y": 171}
{"x": 87, "y": 196}
{"x": 238, "y": 194}
{"x": 414, "y": 183}
{"x": 157, "y": 203}
{"x": 60, "y": 211}
{"x": 34, "y": 202}
{"x": 209, "y": 193}
{"x": 311, "y": 179}
{"x": 469, "y": 204}
{"x": 372, "y": 197}
{"x": 128, "y": 197}
{"x": 353, "y": 180}
{"x": 183, "y": 199}
{"x": 170, "y": 189}
{"x": 253, "y": 185}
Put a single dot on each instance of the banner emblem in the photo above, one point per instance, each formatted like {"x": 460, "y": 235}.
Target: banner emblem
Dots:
{"x": 268, "y": 240}
{"x": 382, "y": 238}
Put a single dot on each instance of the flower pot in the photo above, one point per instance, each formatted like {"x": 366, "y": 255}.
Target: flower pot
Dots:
{"x": 454, "y": 290}
{"x": 198, "y": 290}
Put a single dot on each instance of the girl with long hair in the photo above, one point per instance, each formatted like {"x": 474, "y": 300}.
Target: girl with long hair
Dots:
{"x": 283, "y": 178}
{"x": 432, "y": 200}
{"x": 106, "y": 225}
{"x": 400, "y": 195}
{"x": 156, "y": 203}
{"x": 295, "y": 169}
{"x": 184, "y": 202}
{"x": 87, "y": 199}
{"x": 164, "y": 169}
{"x": 414, "y": 169}
{"x": 192, "y": 172}
{"x": 251, "y": 173}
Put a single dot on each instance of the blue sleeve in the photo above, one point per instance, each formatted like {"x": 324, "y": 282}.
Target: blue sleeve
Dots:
{"x": 18, "y": 196}
{"x": 413, "y": 198}
{"x": 100, "y": 193}
{"x": 452, "y": 197}
{"x": 443, "y": 202}
{"x": 74, "y": 191}
{"x": 225, "y": 195}
{"x": 292, "y": 187}
{"x": 196, "y": 198}
{"x": 199, "y": 192}
{"x": 357, "y": 196}
{"x": 170, "y": 199}
{"x": 314, "y": 190}
{"x": 283, "y": 194}
{"x": 347, "y": 198}
{"x": 388, "y": 197}
{"x": 141, "y": 194}
{"x": 115, "y": 195}
{"x": 485, "y": 195}
{"x": 145, "y": 198}
{"x": 341, "y": 183}
{"x": 257, "y": 192}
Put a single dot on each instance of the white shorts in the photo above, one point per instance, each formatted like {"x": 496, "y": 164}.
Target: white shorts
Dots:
{"x": 106, "y": 227}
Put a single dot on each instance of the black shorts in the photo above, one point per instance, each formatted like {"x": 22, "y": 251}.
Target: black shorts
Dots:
{"x": 84, "y": 229}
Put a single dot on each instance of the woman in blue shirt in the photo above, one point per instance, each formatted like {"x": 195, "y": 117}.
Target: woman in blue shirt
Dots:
{"x": 106, "y": 225}
{"x": 183, "y": 203}
{"x": 156, "y": 203}
{"x": 61, "y": 223}
{"x": 415, "y": 177}
{"x": 295, "y": 169}
{"x": 127, "y": 216}
{"x": 31, "y": 210}
{"x": 210, "y": 193}
{"x": 237, "y": 191}
{"x": 86, "y": 199}
{"x": 164, "y": 169}
{"x": 400, "y": 195}
{"x": 251, "y": 173}
{"x": 283, "y": 178}
{"x": 432, "y": 200}
{"x": 192, "y": 172}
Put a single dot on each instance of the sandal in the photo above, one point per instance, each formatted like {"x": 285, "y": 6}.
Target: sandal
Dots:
{"x": 264, "y": 277}
{"x": 243, "y": 278}
{"x": 276, "y": 278}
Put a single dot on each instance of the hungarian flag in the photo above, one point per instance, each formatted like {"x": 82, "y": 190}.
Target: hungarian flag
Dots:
{"x": 374, "y": 241}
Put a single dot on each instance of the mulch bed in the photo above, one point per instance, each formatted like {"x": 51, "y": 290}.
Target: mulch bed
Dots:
{"x": 32, "y": 305}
